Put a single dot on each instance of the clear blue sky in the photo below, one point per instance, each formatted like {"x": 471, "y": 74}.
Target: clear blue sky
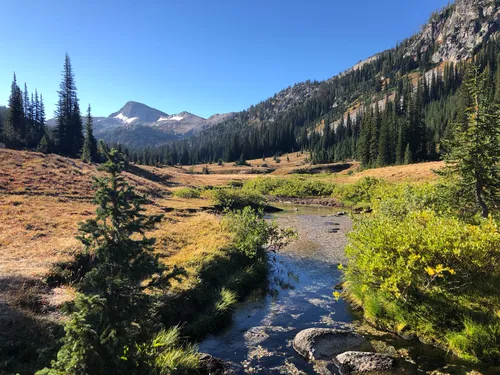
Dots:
{"x": 201, "y": 56}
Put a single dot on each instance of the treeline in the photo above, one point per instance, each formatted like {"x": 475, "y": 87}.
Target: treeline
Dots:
{"x": 23, "y": 124}
{"x": 419, "y": 102}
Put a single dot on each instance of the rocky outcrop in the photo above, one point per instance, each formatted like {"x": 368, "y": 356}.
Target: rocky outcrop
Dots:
{"x": 455, "y": 32}
{"x": 325, "y": 343}
{"x": 360, "y": 362}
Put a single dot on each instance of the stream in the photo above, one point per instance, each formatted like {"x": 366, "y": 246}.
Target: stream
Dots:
{"x": 299, "y": 296}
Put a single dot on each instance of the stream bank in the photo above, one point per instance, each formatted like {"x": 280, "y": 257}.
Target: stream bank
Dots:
{"x": 299, "y": 296}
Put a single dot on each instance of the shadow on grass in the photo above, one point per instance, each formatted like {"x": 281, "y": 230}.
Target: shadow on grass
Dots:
{"x": 141, "y": 172}
{"x": 29, "y": 334}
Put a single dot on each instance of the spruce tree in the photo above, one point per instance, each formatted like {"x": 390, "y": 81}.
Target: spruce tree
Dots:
{"x": 112, "y": 311}
{"x": 69, "y": 129}
{"x": 14, "y": 127}
{"x": 89, "y": 151}
{"x": 408, "y": 158}
{"x": 26, "y": 100}
{"x": 497, "y": 84}
{"x": 474, "y": 148}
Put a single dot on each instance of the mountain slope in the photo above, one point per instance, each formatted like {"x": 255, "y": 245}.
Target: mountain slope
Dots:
{"x": 296, "y": 117}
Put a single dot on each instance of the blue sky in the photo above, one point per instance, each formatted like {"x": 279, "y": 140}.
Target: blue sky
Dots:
{"x": 201, "y": 56}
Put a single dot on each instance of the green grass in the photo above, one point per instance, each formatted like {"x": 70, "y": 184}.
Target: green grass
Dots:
{"x": 172, "y": 356}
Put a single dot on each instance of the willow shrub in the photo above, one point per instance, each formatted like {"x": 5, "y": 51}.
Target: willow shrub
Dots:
{"x": 228, "y": 198}
{"x": 430, "y": 274}
{"x": 187, "y": 193}
{"x": 360, "y": 193}
{"x": 293, "y": 187}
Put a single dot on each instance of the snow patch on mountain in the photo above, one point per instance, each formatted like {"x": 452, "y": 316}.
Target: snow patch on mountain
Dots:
{"x": 125, "y": 119}
{"x": 171, "y": 118}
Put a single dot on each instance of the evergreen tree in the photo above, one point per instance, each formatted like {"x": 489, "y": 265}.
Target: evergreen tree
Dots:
{"x": 44, "y": 145}
{"x": 497, "y": 84}
{"x": 408, "y": 159}
{"x": 89, "y": 151}
{"x": 26, "y": 101}
{"x": 474, "y": 156}
{"x": 14, "y": 127}
{"x": 69, "y": 129}
{"x": 111, "y": 311}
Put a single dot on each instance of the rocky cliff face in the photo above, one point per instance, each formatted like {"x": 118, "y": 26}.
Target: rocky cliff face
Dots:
{"x": 454, "y": 33}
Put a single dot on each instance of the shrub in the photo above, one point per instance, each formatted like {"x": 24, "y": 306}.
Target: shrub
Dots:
{"x": 426, "y": 272}
{"x": 361, "y": 193}
{"x": 295, "y": 187}
{"x": 251, "y": 233}
{"x": 235, "y": 184}
{"x": 188, "y": 193}
{"x": 228, "y": 198}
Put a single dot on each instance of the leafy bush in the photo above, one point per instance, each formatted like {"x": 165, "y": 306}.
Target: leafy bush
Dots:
{"x": 295, "y": 187}
{"x": 228, "y": 198}
{"x": 425, "y": 272}
{"x": 188, "y": 193}
{"x": 252, "y": 233}
{"x": 361, "y": 193}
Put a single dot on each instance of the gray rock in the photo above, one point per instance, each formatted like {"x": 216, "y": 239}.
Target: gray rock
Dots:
{"x": 360, "y": 362}
{"x": 458, "y": 31}
{"x": 325, "y": 343}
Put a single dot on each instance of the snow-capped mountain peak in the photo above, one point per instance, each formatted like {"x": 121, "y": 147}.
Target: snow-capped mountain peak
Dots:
{"x": 137, "y": 112}
{"x": 137, "y": 124}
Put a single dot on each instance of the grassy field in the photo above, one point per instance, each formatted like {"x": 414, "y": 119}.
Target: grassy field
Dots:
{"x": 42, "y": 200}
{"x": 44, "y": 197}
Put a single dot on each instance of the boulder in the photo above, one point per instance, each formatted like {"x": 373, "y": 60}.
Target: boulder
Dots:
{"x": 212, "y": 365}
{"x": 325, "y": 343}
{"x": 360, "y": 362}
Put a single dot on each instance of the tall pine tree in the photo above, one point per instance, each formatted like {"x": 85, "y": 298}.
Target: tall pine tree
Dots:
{"x": 69, "y": 129}
{"x": 474, "y": 157}
{"x": 14, "y": 127}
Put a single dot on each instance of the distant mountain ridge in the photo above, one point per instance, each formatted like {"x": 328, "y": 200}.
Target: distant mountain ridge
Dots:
{"x": 138, "y": 125}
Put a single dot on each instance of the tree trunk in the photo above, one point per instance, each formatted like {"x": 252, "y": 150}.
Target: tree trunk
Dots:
{"x": 480, "y": 200}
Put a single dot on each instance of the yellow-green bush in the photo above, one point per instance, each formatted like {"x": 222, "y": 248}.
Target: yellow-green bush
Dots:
{"x": 360, "y": 193}
{"x": 187, "y": 193}
{"x": 296, "y": 187}
{"x": 428, "y": 273}
{"x": 235, "y": 198}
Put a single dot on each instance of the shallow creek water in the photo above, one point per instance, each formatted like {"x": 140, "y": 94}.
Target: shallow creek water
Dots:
{"x": 299, "y": 296}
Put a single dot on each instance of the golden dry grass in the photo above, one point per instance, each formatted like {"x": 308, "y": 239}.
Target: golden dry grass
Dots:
{"x": 44, "y": 197}
{"x": 422, "y": 172}
{"x": 189, "y": 242}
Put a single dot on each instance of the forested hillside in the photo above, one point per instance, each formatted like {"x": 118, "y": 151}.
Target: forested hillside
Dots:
{"x": 414, "y": 85}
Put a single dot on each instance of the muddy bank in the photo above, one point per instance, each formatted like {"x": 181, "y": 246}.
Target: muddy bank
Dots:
{"x": 325, "y": 202}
